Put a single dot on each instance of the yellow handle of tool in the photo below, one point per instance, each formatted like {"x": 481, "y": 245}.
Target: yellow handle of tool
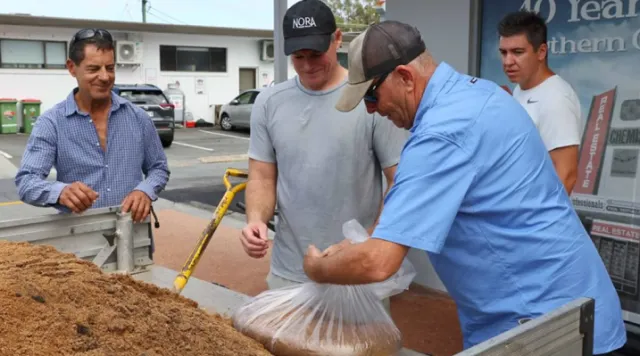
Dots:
{"x": 187, "y": 269}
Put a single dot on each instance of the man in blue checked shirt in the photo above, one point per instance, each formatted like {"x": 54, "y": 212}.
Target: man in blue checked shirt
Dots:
{"x": 105, "y": 149}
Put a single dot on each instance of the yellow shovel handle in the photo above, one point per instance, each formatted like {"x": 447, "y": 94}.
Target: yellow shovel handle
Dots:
{"x": 187, "y": 269}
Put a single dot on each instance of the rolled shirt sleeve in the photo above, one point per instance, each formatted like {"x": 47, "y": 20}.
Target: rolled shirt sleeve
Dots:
{"x": 433, "y": 178}
{"x": 38, "y": 159}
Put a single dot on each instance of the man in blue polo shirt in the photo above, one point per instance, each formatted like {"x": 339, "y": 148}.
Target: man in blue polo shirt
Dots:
{"x": 476, "y": 190}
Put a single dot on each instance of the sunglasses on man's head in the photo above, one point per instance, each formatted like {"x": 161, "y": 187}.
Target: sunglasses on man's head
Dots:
{"x": 89, "y": 33}
{"x": 370, "y": 95}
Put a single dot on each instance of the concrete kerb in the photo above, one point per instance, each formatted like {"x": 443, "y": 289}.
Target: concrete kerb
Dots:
{"x": 224, "y": 158}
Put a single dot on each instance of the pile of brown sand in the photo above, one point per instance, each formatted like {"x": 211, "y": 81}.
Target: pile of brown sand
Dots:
{"x": 56, "y": 304}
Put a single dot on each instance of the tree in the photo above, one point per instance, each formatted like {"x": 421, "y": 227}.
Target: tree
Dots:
{"x": 354, "y": 15}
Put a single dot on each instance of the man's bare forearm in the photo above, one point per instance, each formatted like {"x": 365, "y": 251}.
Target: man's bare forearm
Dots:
{"x": 565, "y": 162}
{"x": 260, "y": 199}
{"x": 568, "y": 177}
{"x": 374, "y": 260}
{"x": 375, "y": 223}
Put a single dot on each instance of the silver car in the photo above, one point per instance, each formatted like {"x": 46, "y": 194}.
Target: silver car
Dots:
{"x": 237, "y": 113}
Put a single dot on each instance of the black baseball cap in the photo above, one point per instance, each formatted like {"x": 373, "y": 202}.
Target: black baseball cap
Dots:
{"x": 376, "y": 52}
{"x": 308, "y": 24}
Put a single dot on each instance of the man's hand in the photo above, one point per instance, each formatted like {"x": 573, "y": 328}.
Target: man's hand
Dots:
{"x": 312, "y": 262}
{"x": 335, "y": 248}
{"x": 255, "y": 240}
{"x": 78, "y": 197}
{"x": 138, "y": 203}
{"x": 313, "y": 257}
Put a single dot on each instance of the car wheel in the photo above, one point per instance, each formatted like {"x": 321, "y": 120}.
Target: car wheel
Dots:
{"x": 166, "y": 142}
{"x": 225, "y": 123}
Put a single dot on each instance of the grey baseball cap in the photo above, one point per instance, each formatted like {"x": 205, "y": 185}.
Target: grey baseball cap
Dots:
{"x": 375, "y": 52}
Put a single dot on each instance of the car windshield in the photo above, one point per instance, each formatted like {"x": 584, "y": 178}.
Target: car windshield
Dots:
{"x": 144, "y": 97}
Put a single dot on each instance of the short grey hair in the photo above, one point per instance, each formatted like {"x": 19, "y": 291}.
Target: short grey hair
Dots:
{"x": 423, "y": 62}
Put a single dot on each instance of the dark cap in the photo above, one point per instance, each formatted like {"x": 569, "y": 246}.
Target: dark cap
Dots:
{"x": 308, "y": 24}
{"x": 375, "y": 52}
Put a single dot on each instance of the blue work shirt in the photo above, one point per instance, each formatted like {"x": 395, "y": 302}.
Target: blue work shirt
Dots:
{"x": 477, "y": 190}
{"x": 66, "y": 138}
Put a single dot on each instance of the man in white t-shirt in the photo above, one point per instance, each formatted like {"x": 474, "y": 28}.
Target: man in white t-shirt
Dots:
{"x": 550, "y": 100}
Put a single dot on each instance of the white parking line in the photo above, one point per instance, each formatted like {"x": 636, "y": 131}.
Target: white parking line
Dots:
{"x": 6, "y": 155}
{"x": 225, "y": 135}
{"x": 193, "y": 146}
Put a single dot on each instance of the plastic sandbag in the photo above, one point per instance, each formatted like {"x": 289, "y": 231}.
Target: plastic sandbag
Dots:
{"x": 320, "y": 319}
{"x": 395, "y": 284}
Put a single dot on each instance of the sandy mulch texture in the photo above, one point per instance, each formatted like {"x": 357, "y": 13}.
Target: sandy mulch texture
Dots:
{"x": 428, "y": 320}
{"x": 55, "y": 304}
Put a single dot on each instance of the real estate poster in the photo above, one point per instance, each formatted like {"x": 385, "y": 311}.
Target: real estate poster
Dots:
{"x": 595, "y": 46}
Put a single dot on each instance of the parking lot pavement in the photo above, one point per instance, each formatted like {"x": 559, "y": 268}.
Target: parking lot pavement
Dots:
{"x": 190, "y": 147}
{"x": 12, "y": 147}
{"x": 7, "y": 191}
{"x": 197, "y": 159}
{"x": 194, "y": 146}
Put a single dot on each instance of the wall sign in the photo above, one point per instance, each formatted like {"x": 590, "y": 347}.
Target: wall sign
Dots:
{"x": 595, "y": 46}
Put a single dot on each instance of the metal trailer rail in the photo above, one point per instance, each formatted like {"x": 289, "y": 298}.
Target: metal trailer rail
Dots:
{"x": 567, "y": 330}
{"x": 113, "y": 242}
{"x": 104, "y": 236}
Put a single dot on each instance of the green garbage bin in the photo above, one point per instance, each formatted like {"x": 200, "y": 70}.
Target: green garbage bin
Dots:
{"x": 30, "y": 113}
{"x": 8, "y": 117}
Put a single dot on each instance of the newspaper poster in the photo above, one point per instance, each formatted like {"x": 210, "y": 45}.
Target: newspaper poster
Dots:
{"x": 595, "y": 46}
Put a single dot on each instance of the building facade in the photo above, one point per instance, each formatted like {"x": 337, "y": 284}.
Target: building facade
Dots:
{"x": 210, "y": 65}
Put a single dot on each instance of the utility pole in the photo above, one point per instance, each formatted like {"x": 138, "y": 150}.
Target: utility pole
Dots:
{"x": 144, "y": 10}
{"x": 280, "y": 60}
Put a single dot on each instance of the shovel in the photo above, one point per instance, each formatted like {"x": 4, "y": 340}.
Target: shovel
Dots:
{"x": 190, "y": 265}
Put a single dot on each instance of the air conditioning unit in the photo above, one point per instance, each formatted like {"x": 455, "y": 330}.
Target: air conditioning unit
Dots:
{"x": 266, "y": 51}
{"x": 128, "y": 52}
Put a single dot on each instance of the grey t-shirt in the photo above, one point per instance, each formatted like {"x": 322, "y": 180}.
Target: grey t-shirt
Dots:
{"x": 329, "y": 167}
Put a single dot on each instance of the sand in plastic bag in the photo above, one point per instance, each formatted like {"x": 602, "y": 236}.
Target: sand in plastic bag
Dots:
{"x": 396, "y": 284}
{"x": 320, "y": 319}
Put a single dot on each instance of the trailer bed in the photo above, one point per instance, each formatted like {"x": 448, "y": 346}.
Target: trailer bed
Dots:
{"x": 115, "y": 244}
{"x": 209, "y": 296}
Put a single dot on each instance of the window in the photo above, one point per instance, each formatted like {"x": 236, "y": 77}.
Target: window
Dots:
{"x": 193, "y": 59}
{"x": 32, "y": 54}
{"x": 343, "y": 59}
{"x": 245, "y": 98}
{"x": 144, "y": 97}
{"x": 253, "y": 98}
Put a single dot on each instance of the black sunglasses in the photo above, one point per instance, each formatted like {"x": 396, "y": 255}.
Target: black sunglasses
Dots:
{"x": 370, "y": 95}
{"x": 89, "y": 33}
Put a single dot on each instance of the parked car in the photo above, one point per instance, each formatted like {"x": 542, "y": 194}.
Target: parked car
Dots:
{"x": 237, "y": 113}
{"x": 152, "y": 100}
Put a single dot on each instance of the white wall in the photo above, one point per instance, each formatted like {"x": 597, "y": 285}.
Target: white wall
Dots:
{"x": 220, "y": 87}
{"x": 53, "y": 85}
{"x": 444, "y": 26}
